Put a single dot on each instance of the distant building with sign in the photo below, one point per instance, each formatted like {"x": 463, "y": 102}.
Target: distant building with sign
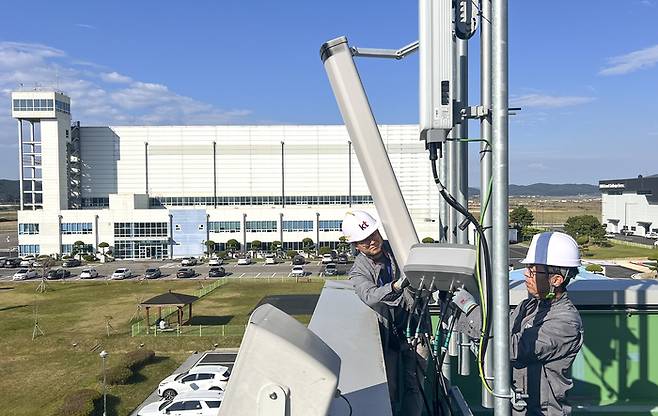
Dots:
{"x": 630, "y": 205}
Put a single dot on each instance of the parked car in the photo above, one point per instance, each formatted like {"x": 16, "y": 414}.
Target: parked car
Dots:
{"x": 88, "y": 274}
{"x": 298, "y": 260}
{"x": 297, "y": 271}
{"x": 185, "y": 272}
{"x": 188, "y": 261}
{"x": 122, "y": 273}
{"x": 270, "y": 259}
{"x": 327, "y": 258}
{"x": 197, "y": 403}
{"x": 330, "y": 269}
{"x": 57, "y": 274}
{"x": 652, "y": 235}
{"x": 217, "y": 272}
{"x": 10, "y": 263}
{"x": 24, "y": 274}
{"x": 26, "y": 263}
{"x": 342, "y": 258}
{"x": 243, "y": 261}
{"x": 626, "y": 232}
{"x": 71, "y": 263}
{"x": 215, "y": 262}
{"x": 207, "y": 377}
{"x": 152, "y": 273}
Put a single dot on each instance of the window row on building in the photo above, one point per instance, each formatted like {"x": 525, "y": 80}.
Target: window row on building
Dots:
{"x": 224, "y": 226}
{"x": 24, "y": 229}
{"x": 68, "y": 249}
{"x": 76, "y": 228}
{"x": 25, "y": 249}
{"x": 33, "y": 105}
{"x": 303, "y": 226}
{"x": 96, "y": 202}
{"x": 62, "y": 107}
{"x": 140, "y": 229}
{"x": 141, "y": 249}
{"x": 163, "y": 201}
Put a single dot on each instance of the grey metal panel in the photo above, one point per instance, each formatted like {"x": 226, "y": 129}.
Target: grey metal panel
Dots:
{"x": 350, "y": 328}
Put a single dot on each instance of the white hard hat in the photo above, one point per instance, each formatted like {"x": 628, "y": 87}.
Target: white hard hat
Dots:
{"x": 553, "y": 249}
{"x": 358, "y": 225}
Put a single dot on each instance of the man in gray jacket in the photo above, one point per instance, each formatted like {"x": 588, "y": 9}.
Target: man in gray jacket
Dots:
{"x": 378, "y": 283}
{"x": 546, "y": 329}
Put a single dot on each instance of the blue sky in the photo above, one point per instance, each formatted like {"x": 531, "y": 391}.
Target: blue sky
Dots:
{"x": 585, "y": 72}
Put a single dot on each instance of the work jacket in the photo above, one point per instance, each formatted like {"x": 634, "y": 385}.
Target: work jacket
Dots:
{"x": 545, "y": 337}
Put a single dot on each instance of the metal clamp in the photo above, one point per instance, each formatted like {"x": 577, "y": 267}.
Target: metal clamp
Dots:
{"x": 386, "y": 53}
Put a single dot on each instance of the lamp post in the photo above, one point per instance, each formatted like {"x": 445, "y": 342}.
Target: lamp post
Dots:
{"x": 103, "y": 354}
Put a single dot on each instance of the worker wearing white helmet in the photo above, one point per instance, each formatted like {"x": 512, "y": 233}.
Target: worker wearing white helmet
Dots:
{"x": 378, "y": 283}
{"x": 546, "y": 331}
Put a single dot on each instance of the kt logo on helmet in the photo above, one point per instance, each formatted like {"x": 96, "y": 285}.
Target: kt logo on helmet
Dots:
{"x": 363, "y": 225}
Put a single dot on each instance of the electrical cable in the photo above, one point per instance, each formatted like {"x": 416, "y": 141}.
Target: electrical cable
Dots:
{"x": 482, "y": 242}
{"x": 346, "y": 401}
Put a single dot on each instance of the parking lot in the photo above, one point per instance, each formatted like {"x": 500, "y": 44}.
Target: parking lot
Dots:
{"x": 170, "y": 267}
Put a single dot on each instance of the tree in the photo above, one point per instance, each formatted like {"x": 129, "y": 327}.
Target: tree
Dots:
{"x": 79, "y": 247}
{"x": 428, "y": 240}
{"x": 307, "y": 245}
{"x": 324, "y": 250}
{"x": 343, "y": 245}
{"x": 276, "y": 246}
{"x": 255, "y": 245}
{"x": 585, "y": 225}
{"x": 103, "y": 246}
{"x": 232, "y": 245}
{"x": 210, "y": 247}
{"x": 521, "y": 217}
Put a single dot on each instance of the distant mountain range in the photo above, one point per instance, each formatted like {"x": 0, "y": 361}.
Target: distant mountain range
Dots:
{"x": 9, "y": 190}
{"x": 548, "y": 189}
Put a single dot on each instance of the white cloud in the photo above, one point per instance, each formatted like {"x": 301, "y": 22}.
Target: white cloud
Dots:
{"x": 85, "y": 26}
{"x": 631, "y": 62}
{"x": 548, "y": 101}
{"x": 115, "y": 77}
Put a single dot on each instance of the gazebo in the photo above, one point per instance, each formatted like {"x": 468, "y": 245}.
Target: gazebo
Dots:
{"x": 170, "y": 298}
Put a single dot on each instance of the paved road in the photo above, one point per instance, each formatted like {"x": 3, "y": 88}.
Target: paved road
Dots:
{"x": 635, "y": 239}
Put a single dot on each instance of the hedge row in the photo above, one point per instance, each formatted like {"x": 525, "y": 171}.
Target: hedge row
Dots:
{"x": 122, "y": 372}
{"x": 78, "y": 403}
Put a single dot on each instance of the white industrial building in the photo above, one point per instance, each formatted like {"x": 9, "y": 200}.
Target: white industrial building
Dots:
{"x": 630, "y": 204}
{"x": 162, "y": 191}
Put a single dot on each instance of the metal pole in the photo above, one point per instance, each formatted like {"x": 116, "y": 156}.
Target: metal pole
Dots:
{"x": 214, "y": 174}
{"x": 443, "y": 205}
{"x": 146, "y": 168}
{"x": 283, "y": 176}
{"x": 500, "y": 170}
{"x": 485, "y": 158}
{"x": 349, "y": 173}
{"x": 461, "y": 85}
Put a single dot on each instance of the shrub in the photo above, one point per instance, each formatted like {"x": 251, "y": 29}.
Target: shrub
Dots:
{"x": 594, "y": 268}
{"x": 292, "y": 253}
{"x": 119, "y": 374}
{"x": 220, "y": 254}
{"x": 427, "y": 240}
{"x": 325, "y": 250}
{"x": 78, "y": 403}
{"x": 89, "y": 257}
{"x": 137, "y": 358}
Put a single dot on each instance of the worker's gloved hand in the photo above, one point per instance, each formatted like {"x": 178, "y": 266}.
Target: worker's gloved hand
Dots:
{"x": 400, "y": 284}
{"x": 464, "y": 300}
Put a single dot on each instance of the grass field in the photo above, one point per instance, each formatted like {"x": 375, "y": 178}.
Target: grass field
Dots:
{"x": 36, "y": 374}
{"x": 619, "y": 251}
{"x": 551, "y": 210}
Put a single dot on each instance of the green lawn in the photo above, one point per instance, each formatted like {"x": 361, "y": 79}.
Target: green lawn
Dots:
{"x": 619, "y": 251}
{"x": 36, "y": 374}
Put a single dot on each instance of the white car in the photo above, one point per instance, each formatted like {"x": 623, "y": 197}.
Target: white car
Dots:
{"x": 270, "y": 259}
{"x": 207, "y": 377}
{"x": 327, "y": 258}
{"x": 215, "y": 262}
{"x": 243, "y": 261}
{"x": 88, "y": 274}
{"x": 197, "y": 403}
{"x": 26, "y": 263}
{"x": 652, "y": 234}
{"x": 188, "y": 261}
{"x": 297, "y": 271}
{"x": 122, "y": 273}
{"x": 23, "y": 274}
